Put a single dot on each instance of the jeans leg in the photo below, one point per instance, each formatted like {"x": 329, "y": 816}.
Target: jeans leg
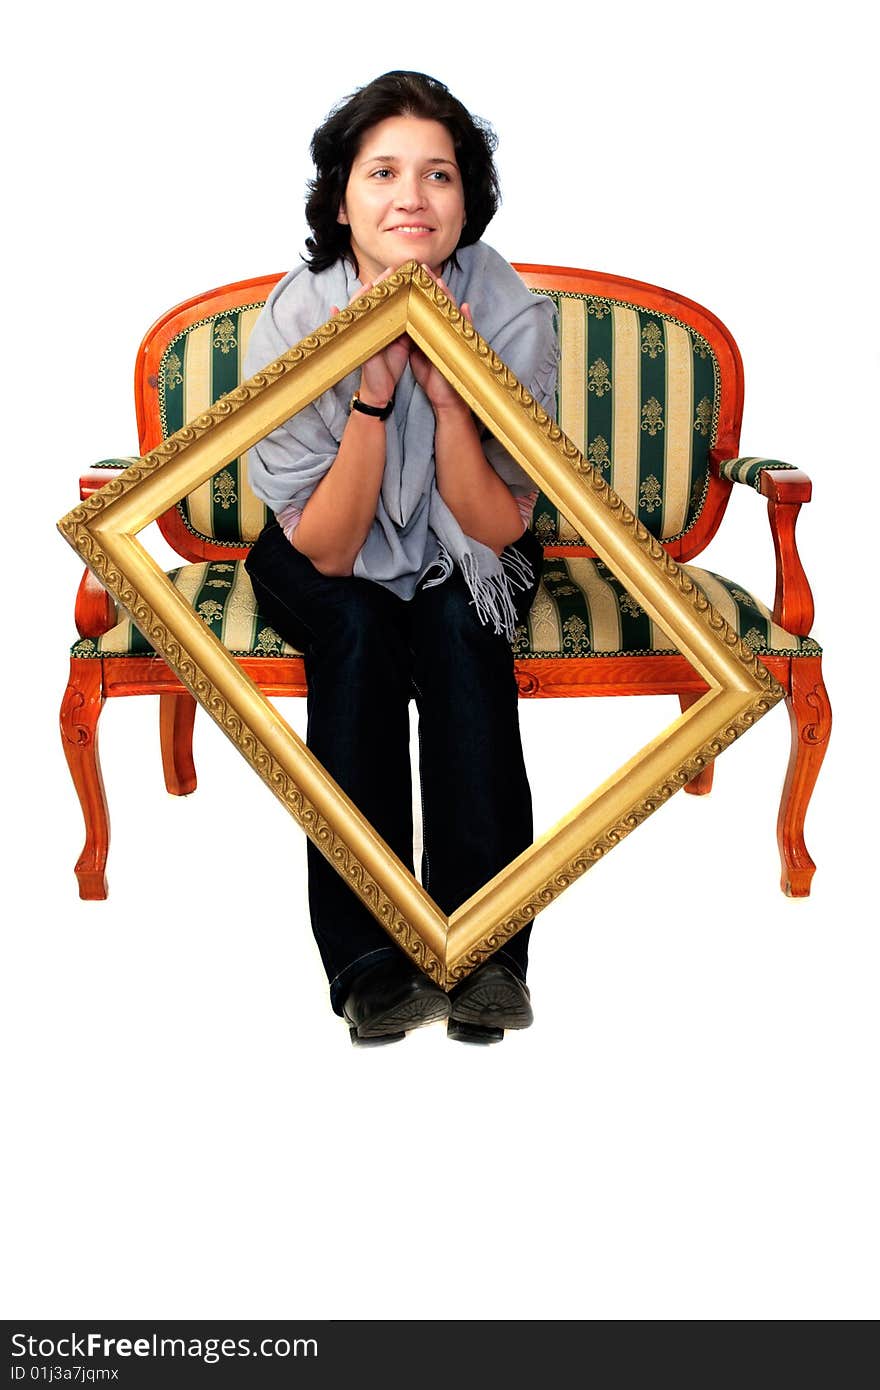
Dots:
{"x": 353, "y": 637}
{"x": 475, "y": 791}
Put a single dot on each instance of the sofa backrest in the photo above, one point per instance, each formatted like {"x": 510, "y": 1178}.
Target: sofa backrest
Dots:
{"x": 200, "y": 365}
{"x": 648, "y": 381}
{"x": 637, "y": 396}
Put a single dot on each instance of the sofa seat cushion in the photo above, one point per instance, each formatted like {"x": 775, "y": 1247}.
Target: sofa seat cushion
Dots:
{"x": 580, "y": 610}
{"x": 220, "y": 590}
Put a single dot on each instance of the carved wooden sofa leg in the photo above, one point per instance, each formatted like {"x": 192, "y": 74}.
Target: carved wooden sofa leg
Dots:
{"x": 700, "y": 785}
{"x": 810, "y": 716}
{"x": 177, "y": 714}
{"x": 80, "y": 711}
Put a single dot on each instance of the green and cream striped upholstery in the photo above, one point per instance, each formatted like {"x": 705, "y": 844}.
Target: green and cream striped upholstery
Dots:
{"x": 198, "y": 367}
{"x": 220, "y": 591}
{"x": 580, "y": 610}
{"x": 749, "y": 470}
{"x": 637, "y": 394}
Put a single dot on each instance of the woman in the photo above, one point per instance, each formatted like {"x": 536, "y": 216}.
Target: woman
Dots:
{"x": 399, "y": 561}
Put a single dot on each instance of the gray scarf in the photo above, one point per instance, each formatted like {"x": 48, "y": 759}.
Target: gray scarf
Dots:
{"x": 413, "y": 530}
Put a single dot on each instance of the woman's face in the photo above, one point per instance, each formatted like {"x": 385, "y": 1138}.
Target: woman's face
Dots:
{"x": 404, "y": 198}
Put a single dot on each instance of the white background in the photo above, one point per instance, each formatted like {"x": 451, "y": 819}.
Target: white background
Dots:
{"x": 690, "y": 1128}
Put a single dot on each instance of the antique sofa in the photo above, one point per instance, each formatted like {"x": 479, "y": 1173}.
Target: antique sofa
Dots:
{"x": 651, "y": 392}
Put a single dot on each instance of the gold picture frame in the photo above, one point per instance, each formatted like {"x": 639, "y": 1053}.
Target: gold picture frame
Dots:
{"x": 740, "y": 689}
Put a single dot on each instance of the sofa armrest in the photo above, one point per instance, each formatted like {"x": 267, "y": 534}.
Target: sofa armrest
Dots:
{"x": 792, "y": 486}
{"x": 786, "y": 489}
{"x": 753, "y": 471}
{"x": 100, "y": 473}
{"x": 95, "y": 611}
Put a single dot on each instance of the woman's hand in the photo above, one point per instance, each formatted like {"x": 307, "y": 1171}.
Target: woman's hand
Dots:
{"x": 432, "y": 381}
{"x": 381, "y": 373}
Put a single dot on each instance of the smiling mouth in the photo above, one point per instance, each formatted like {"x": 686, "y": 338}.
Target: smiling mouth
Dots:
{"x": 411, "y": 229}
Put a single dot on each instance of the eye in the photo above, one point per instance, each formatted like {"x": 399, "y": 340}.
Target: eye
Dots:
{"x": 440, "y": 174}
{"x": 376, "y": 172}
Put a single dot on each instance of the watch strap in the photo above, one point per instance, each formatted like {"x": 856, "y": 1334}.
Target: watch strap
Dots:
{"x": 379, "y": 412}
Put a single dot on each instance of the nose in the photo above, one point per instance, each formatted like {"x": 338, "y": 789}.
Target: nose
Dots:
{"x": 410, "y": 193}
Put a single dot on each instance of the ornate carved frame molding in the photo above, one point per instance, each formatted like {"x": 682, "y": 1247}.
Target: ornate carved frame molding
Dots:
{"x": 104, "y": 529}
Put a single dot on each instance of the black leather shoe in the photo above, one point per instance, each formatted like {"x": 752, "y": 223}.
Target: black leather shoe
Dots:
{"x": 491, "y": 999}
{"x": 473, "y": 1032}
{"x": 389, "y": 999}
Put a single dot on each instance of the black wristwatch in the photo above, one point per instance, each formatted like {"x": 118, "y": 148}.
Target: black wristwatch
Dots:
{"x": 379, "y": 412}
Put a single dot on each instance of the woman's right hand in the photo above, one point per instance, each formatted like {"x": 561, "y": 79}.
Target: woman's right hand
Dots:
{"x": 381, "y": 373}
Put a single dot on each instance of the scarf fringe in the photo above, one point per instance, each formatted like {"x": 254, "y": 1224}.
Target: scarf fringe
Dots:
{"x": 492, "y": 595}
{"x": 446, "y": 564}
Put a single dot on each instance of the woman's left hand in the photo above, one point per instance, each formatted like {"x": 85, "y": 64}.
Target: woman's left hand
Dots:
{"x": 432, "y": 381}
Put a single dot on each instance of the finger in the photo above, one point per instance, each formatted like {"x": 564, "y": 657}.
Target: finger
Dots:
{"x": 334, "y": 310}
{"x": 365, "y": 289}
{"x": 440, "y": 283}
{"x": 466, "y": 310}
{"x": 438, "y": 279}
{"x": 443, "y": 285}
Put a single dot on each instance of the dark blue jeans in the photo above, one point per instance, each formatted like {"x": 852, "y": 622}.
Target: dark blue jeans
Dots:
{"x": 367, "y": 653}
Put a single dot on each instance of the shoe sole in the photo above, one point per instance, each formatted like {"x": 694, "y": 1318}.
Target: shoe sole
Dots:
{"x": 473, "y": 1032}
{"x": 402, "y": 1019}
{"x": 493, "y": 1004}
{"x": 375, "y": 1042}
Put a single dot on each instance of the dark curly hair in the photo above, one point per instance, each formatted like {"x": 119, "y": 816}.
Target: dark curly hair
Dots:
{"x": 336, "y": 142}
